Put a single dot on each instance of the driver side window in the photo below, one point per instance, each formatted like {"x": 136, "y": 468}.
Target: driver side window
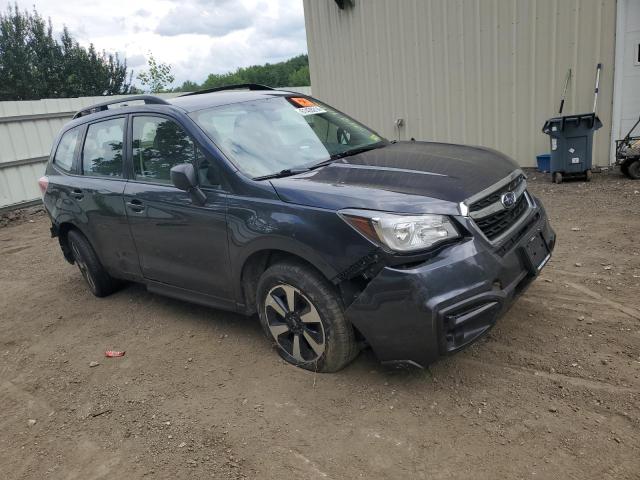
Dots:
{"x": 159, "y": 144}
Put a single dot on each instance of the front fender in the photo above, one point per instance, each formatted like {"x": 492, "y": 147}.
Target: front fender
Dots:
{"x": 318, "y": 236}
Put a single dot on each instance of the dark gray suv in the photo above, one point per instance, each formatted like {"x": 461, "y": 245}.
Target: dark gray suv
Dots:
{"x": 265, "y": 201}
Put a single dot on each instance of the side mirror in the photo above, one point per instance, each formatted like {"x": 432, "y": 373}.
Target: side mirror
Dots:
{"x": 184, "y": 177}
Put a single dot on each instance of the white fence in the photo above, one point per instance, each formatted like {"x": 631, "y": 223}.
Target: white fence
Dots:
{"x": 27, "y": 129}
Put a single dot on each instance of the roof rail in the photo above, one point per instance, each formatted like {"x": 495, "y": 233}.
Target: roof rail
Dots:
{"x": 99, "y": 107}
{"x": 239, "y": 86}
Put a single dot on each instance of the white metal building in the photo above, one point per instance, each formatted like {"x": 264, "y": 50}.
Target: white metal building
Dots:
{"x": 486, "y": 72}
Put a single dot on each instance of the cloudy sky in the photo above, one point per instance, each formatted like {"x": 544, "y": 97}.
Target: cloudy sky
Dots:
{"x": 196, "y": 37}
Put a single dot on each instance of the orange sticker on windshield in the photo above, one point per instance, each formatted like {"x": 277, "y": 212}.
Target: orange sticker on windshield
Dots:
{"x": 303, "y": 102}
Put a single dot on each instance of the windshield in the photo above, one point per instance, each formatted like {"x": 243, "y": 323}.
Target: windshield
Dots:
{"x": 264, "y": 137}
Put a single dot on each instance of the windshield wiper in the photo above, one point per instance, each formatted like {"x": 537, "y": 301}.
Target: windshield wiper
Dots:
{"x": 282, "y": 173}
{"x": 348, "y": 153}
{"x": 294, "y": 171}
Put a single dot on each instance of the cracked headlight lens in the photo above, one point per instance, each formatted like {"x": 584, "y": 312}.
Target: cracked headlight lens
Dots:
{"x": 401, "y": 233}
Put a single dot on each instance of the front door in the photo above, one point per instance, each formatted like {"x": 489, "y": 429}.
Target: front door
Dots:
{"x": 179, "y": 243}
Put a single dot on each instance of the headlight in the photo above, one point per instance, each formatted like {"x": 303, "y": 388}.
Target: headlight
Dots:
{"x": 401, "y": 233}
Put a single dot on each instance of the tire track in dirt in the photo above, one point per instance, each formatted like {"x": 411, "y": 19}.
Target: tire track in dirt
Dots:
{"x": 632, "y": 312}
{"x": 590, "y": 384}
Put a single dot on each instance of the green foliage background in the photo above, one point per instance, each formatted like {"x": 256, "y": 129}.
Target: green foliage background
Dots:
{"x": 34, "y": 64}
{"x": 290, "y": 73}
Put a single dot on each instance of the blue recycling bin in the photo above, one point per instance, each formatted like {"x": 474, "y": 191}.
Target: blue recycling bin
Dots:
{"x": 571, "y": 139}
{"x": 544, "y": 162}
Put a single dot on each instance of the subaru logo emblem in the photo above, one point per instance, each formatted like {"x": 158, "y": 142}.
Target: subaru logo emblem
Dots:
{"x": 508, "y": 199}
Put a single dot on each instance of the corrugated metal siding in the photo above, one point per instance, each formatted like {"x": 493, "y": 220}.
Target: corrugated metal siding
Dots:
{"x": 27, "y": 129}
{"x": 629, "y": 69}
{"x": 485, "y": 72}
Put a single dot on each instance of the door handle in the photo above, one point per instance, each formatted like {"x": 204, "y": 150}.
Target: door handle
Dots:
{"x": 135, "y": 205}
{"x": 77, "y": 194}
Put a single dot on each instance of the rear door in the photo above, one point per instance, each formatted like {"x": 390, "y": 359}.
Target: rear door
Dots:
{"x": 179, "y": 243}
{"x": 97, "y": 192}
{"x": 59, "y": 198}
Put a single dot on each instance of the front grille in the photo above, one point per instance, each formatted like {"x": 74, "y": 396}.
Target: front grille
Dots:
{"x": 515, "y": 237}
{"x": 495, "y": 196}
{"x": 495, "y": 224}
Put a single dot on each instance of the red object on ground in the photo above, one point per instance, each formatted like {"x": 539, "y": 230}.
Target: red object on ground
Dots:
{"x": 111, "y": 353}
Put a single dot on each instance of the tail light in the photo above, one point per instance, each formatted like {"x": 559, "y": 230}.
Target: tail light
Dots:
{"x": 43, "y": 183}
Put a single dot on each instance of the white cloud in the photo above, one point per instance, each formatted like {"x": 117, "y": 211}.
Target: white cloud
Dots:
{"x": 135, "y": 61}
{"x": 213, "y": 20}
{"x": 197, "y": 37}
{"x": 142, "y": 13}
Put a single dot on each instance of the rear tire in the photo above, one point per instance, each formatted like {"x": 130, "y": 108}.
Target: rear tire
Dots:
{"x": 557, "y": 177}
{"x": 99, "y": 281}
{"x": 588, "y": 175}
{"x": 633, "y": 170}
{"x": 303, "y": 315}
{"x": 624, "y": 168}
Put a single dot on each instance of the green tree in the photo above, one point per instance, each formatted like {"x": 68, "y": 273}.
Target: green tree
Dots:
{"x": 280, "y": 74}
{"x": 85, "y": 70}
{"x": 187, "y": 86}
{"x": 158, "y": 77}
{"x": 300, "y": 78}
{"x": 34, "y": 64}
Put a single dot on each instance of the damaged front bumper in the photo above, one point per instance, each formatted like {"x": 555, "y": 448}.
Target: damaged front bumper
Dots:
{"x": 415, "y": 315}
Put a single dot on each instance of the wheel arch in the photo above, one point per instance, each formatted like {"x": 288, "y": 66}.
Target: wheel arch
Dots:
{"x": 255, "y": 265}
{"x": 62, "y": 231}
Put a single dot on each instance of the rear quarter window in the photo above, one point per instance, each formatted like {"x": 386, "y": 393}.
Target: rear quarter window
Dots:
{"x": 63, "y": 158}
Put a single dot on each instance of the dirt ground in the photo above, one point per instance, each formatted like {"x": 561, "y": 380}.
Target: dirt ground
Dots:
{"x": 552, "y": 392}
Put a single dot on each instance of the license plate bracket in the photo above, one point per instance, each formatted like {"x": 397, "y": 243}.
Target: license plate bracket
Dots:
{"x": 536, "y": 253}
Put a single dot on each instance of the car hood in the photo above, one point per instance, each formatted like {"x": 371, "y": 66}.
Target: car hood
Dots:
{"x": 407, "y": 177}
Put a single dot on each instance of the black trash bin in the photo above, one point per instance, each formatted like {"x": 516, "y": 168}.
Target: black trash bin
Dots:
{"x": 571, "y": 145}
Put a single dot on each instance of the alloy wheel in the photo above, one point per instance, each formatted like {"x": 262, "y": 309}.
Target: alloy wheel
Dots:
{"x": 294, "y": 323}
{"x": 82, "y": 266}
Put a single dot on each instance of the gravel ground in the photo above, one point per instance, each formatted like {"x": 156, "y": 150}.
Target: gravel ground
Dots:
{"x": 552, "y": 392}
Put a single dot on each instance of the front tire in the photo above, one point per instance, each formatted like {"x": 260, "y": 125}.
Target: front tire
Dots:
{"x": 303, "y": 315}
{"x": 99, "y": 281}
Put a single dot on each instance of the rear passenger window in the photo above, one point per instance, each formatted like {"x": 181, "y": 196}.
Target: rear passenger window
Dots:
{"x": 63, "y": 158}
{"x": 158, "y": 145}
{"x": 102, "y": 151}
